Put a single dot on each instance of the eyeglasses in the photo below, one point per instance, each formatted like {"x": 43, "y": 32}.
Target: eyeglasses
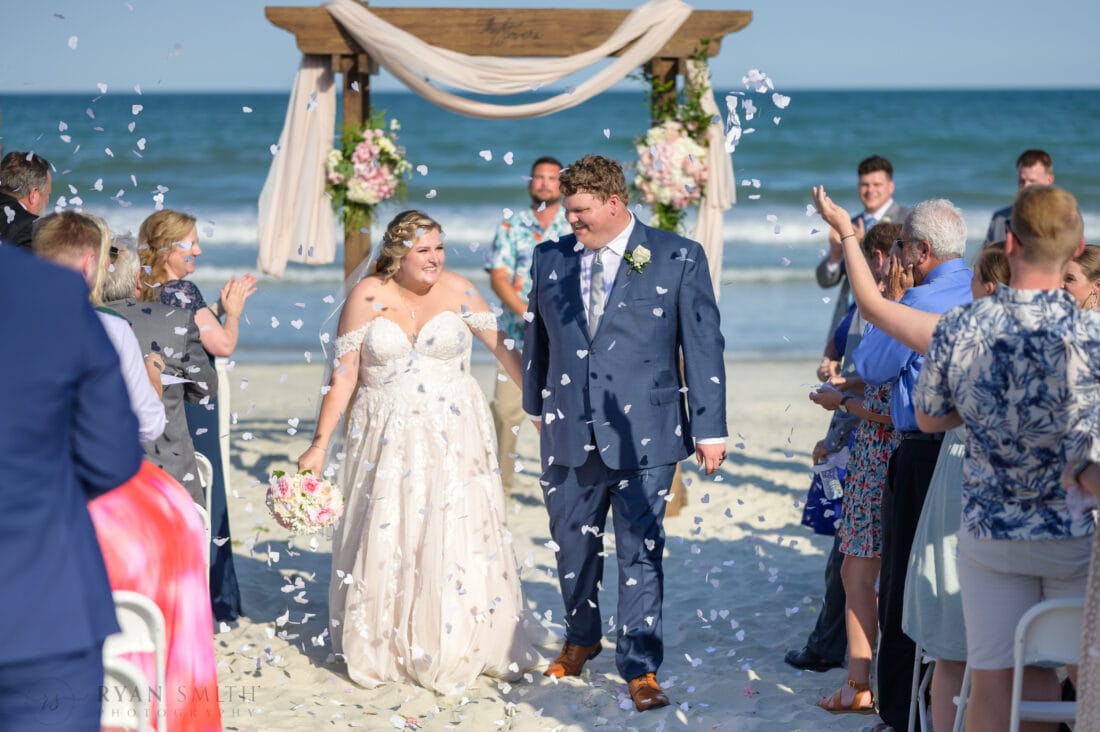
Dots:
{"x": 902, "y": 242}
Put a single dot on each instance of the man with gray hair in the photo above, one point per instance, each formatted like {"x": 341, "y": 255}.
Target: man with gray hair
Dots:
{"x": 25, "y": 185}
{"x": 188, "y": 373}
{"x": 929, "y": 251}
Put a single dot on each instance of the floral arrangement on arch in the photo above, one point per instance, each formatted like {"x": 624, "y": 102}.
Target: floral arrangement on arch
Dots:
{"x": 369, "y": 167}
{"x": 671, "y": 173}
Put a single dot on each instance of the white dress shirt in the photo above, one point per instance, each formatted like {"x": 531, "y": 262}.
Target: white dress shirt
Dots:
{"x": 612, "y": 258}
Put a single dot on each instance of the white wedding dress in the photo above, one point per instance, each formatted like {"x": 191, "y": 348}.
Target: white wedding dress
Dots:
{"x": 425, "y": 587}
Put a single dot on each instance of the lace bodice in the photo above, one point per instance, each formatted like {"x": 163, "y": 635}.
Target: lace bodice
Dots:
{"x": 443, "y": 344}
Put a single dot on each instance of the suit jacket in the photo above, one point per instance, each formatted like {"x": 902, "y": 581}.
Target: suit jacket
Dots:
{"x": 895, "y": 214}
{"x": 67, "y": 435}
{"x": 998, "y": 225}
{"x": 621, "y": 392}
{"x": 172, "y": 333}
{"x": 18, "y": 230}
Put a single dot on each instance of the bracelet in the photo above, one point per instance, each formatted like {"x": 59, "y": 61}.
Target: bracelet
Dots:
{"x": 848, "y": 235}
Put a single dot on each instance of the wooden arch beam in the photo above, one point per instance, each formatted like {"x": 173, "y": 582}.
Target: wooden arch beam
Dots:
{"x": 503, "y": 31}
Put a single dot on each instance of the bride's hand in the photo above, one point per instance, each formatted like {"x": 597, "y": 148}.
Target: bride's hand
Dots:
{"x": 313, "y": 460}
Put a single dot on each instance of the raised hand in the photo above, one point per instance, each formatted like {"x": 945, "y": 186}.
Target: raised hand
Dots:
{"x": 834, "y": 215}
{"x": 234, "y": 293}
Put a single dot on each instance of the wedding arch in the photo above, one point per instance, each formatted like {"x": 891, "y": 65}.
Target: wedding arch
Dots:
{"x": 423, "y": 47}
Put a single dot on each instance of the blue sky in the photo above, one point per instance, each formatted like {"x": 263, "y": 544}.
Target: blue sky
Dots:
{"x": 174, "y": 45}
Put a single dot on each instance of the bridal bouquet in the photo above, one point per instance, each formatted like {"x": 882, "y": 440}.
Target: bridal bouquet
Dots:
{"x": 303, "y": 503}
{"x": 368, "y": 168}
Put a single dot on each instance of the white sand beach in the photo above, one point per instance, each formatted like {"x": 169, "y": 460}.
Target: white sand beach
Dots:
{"x": 743, "y": 583}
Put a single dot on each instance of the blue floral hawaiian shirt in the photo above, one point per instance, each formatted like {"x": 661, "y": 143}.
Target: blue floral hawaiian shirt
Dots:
{"x": 513, "y": 248}
{"x": 1022, "y": 368}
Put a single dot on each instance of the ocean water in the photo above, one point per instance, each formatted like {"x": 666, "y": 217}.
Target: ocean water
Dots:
{"x": 117, "y": 153}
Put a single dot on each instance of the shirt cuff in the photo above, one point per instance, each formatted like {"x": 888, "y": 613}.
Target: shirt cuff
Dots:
{"x": 711, "y": 441}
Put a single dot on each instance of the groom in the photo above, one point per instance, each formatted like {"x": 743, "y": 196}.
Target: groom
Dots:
{"x": 612, "y": 309}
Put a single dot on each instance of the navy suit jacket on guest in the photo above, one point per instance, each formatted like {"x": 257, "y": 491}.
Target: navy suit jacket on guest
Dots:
{"x": 621, "y": 392}
{"x": 67, "y": 434}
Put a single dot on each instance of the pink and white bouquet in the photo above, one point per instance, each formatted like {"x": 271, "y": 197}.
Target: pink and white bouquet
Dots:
{"x": 303, "y": 503}
{"x": 672, "y": 168}
{"x": 369, "y": 167}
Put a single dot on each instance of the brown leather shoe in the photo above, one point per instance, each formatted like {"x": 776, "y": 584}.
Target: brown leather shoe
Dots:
{"x": 647, "y": 693}
{"x": 571, "y": 659}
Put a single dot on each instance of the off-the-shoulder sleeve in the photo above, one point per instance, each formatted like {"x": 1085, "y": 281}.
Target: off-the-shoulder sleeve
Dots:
{"x": 350, "y": 341}
{"x": 182, "y": 294}
{"x": 480, "y": 321}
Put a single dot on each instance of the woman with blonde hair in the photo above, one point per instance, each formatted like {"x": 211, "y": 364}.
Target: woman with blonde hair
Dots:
{"x": 425, "y": 588}
{"x": 1083, "y": 278}
{"x": 168, "y": 245}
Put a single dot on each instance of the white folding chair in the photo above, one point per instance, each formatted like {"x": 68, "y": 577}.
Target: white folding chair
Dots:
{"x": 125, "y": 696}
{"x": 922, "y": 677}
{"x": 143, "y": 631}
{"x": 206, "y": 477}
{"x": 1048, "y": 634}
{"x": 206, "y": 525}
{"x": 960, "y": 702}
{"x": 221, "y": 366}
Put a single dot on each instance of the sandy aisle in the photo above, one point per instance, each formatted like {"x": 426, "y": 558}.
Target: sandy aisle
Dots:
{"x": 743, "y": 584}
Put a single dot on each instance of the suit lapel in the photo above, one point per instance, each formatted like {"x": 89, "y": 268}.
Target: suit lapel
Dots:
{"x": 571, "y": 285}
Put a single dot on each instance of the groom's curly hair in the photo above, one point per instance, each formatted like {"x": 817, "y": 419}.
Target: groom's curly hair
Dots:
{"x": 597, "y": 175}
{"x": 405, "y": 228}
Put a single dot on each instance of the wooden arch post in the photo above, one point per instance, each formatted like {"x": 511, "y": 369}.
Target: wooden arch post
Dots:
{"x": 501, "y": 32}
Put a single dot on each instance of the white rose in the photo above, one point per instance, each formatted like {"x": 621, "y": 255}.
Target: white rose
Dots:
{"x": 640, "y": 256}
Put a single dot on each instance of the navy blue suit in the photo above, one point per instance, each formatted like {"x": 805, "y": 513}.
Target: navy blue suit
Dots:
{"x": 67, "y": 434}
{"x": 615, "y": 420}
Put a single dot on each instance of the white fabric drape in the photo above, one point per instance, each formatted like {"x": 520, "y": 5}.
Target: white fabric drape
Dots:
{"x": 411, "y": 60}
{"x": 721, "y": 190}
{"x": 293, "y": 203}
{"x": 295, "y": 220}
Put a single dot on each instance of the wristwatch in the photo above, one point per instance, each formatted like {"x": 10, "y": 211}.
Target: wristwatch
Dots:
{"x": 843, "y": 406}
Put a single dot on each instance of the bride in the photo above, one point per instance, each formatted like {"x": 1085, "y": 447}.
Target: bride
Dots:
{"x": 424, "y": 585}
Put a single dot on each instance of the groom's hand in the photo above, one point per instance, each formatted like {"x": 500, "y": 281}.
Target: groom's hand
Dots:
{"x": 710, "y": 457}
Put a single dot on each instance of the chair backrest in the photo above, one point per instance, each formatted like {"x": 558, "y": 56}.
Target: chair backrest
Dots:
{"x": 143, "y": 631}
{"x": 125, "y": 696}
{"x": 206, "y": 525}
{"x": 1048, "y": 634}
{"x": 206, "y": 477}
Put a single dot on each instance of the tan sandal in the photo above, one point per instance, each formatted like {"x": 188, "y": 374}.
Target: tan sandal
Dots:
{"x": 863, "y": 701}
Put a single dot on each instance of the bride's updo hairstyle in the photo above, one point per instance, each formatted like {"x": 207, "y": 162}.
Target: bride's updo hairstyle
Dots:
{"x": 156, "y": 237}
{"x": 401, "y": 233}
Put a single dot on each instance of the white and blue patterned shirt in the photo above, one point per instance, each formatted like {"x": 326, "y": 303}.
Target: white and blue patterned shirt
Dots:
{"x": 1022, "y": 368}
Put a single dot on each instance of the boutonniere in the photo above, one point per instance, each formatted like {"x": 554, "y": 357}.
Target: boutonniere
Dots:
{"x": 638, "y": 259}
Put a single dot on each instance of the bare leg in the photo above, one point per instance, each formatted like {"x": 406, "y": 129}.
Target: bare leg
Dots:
{"x": 988, "y": 709}
{"x": 946, "y": 684}
{"x": 861, "y": 619}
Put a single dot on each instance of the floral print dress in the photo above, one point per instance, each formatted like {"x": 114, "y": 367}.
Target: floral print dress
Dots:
{"x": 872, "y": 444}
